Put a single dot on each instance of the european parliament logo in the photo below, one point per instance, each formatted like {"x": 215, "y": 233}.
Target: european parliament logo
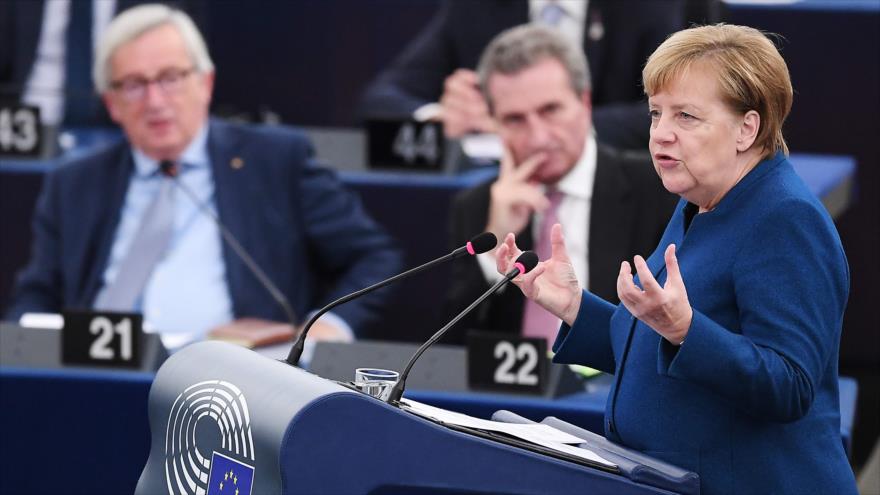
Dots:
{"x": 229, "y": 476}
{"x": 208, "y": 418}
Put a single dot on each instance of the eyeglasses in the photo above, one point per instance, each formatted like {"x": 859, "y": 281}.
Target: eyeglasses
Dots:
{"x": 134, "y": 88}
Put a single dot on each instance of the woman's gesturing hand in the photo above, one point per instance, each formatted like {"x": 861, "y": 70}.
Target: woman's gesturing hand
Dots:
{"x": 553, "y": 283}
{"x": 665, "y": 309}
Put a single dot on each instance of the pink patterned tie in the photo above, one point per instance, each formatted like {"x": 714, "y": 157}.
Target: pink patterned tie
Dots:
{"x": 537, "y": 321}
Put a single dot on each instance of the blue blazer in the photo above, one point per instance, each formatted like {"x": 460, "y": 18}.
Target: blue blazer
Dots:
{"x": 750, "y": 400}
{"x": 302, "y": 227}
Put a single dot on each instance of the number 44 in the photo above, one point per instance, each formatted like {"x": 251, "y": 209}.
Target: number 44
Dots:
{"x": 410, "y": 146}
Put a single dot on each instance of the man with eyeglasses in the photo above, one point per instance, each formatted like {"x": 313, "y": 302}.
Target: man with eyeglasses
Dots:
{"x": 114, "y": 231}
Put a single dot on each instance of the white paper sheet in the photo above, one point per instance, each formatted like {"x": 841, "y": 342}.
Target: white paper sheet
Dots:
{"x": 536, "y": 433}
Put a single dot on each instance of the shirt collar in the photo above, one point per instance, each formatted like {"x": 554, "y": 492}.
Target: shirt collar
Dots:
{"x": 578, "y": 182}
{"x": 194, "y": 156}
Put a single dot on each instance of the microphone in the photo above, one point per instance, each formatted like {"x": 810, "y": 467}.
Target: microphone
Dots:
{"x": 524, "y": 264}
{"x": 170, "y": 170}
{"x": 477, "y": 245}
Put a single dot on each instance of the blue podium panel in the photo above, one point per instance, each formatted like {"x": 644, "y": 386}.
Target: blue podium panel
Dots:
{"x": 356, "y": 444}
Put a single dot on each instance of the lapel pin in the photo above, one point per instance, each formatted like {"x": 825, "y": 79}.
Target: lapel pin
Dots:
{"x": 236, "y": 163}
{"x": 596, "y": 29}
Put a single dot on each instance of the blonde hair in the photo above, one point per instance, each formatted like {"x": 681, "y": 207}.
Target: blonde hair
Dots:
{"x": 135, "y": 21}
{"x": 750, "y": 71}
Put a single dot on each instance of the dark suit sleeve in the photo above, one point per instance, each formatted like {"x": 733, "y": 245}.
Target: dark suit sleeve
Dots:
{"x": 501, "y": 312}
{"x": 467, "y": 217}
{"x": 416, "y": 77}
{"x": 661, "y": 19}
{"x": 635, "y": 28}
{"x": 20, "y": 26}
{"x": 38, "y": 288}
{"x": 349, "y": 250}
{"x": 7, "y": 46}
{"x": 624, "y": 126}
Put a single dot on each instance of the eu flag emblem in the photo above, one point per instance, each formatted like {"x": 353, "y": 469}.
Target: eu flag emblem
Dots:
{"x": 229, "y": 476}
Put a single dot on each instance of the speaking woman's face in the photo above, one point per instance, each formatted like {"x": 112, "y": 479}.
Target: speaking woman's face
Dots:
{"x": 696, "y": 140}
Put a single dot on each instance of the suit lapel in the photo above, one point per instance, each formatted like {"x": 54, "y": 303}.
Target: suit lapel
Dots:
{"x": 612, "y": 212}
{"x": 23, "y": 38}
{"x": 526, "y": 241}
{"x": 231, "y": 191}
{"x": 594, "y": 48}
{"x": 105, "y": 221}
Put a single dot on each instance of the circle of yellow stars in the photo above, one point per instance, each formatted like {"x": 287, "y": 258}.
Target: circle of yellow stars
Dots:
{"x": 227, "y": 477}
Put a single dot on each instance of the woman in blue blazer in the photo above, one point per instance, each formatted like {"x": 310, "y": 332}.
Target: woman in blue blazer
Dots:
{"x": 725, "y": 345}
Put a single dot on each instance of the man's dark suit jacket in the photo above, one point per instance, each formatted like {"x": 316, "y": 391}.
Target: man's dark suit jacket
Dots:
{"x": 628, "y": 212}
{"x": 309, "y": 234}
{"x": 458, "y": 34}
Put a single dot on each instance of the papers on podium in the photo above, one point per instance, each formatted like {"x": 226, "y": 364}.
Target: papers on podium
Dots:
{"x": 536, "y": 433}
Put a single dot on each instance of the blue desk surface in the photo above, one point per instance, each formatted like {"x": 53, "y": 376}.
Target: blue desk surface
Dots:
{"x": 89, "y": 428}
{"x": 808, "y": 5}
{"x": 822, "y": 173}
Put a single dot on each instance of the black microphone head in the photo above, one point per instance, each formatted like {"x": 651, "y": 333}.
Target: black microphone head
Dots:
{"x": 168, "y": 168}
{"x": 482, "y": 243}
{"x": 526, "y": 262}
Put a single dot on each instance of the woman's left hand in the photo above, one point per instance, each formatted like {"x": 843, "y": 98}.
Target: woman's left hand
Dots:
{"x": 665, "y": 309}
{"x": 552, "y": 284}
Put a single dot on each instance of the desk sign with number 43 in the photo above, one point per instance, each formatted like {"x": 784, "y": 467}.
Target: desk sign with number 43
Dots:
{"x": 20, "y": 130}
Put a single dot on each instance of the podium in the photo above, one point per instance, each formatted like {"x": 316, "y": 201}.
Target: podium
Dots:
{"x": 217, "y": 409}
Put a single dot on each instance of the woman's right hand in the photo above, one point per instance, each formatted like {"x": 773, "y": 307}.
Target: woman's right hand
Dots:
{"x": 553, "y": 283}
